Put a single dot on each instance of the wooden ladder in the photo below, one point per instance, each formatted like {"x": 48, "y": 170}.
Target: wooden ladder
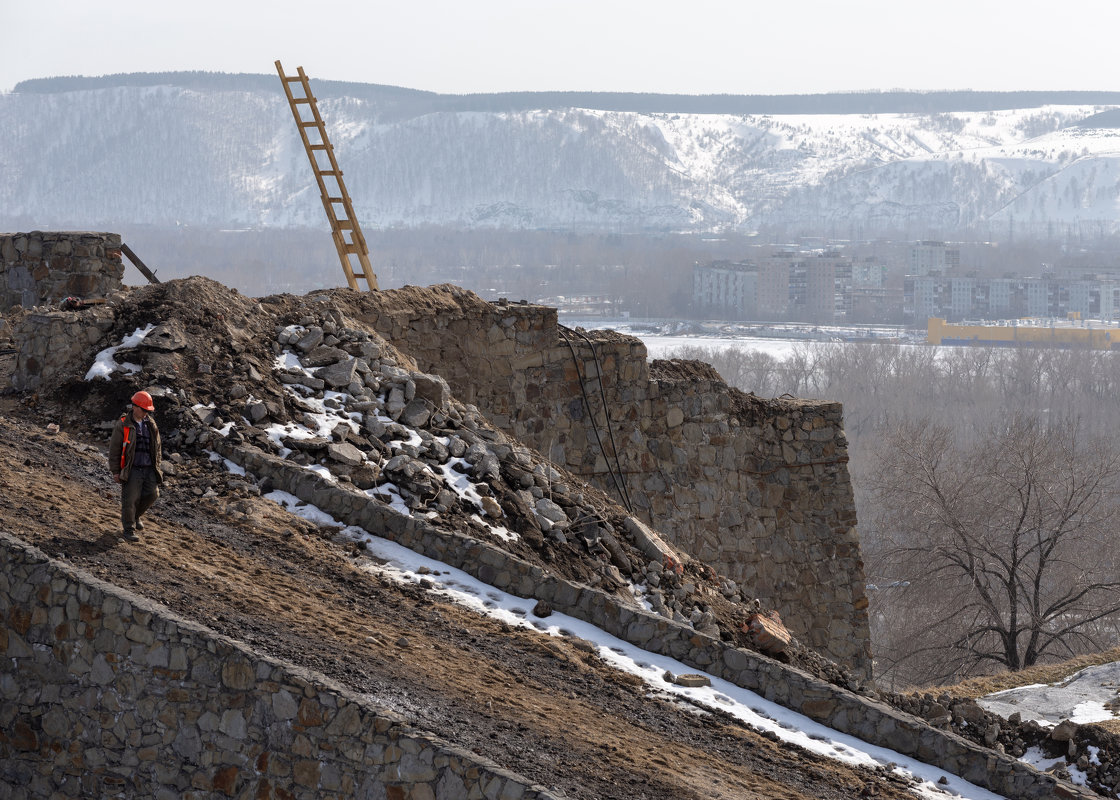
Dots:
{"x": 345, "y": 230}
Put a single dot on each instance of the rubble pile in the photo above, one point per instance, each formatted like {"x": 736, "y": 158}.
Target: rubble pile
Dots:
{"x": 300, "y": 379}
{"x": 1088, "y": 749}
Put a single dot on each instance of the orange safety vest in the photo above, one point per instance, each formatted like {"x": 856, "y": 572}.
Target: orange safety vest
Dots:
{"x": 124, "y": 444}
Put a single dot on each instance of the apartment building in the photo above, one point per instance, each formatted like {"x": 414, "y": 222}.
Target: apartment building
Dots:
{"x": 932, "y": 258}
{"x": 971, "y": 297}
{"x": 726, "y": 289}
{"x": 788, "y": 285}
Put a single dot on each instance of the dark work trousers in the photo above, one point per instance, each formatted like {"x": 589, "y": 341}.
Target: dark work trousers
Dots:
{"x": 137, "y": 495}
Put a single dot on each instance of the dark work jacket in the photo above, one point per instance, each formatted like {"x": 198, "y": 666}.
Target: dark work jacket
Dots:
{"x": 122, "y": 447}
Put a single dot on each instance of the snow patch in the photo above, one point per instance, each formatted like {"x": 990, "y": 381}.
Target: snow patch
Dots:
{"x": 105, "y": 364}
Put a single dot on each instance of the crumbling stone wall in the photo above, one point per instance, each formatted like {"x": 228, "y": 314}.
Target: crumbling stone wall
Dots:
{"x": 43, "y": 267}
{"x": 757, "y": 488}
{"x": 106, "y": 694}
{"x": 845, "y": 711}
{"x": 49, "y": 343}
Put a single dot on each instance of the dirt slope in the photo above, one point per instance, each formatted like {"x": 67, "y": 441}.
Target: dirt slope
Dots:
{"x": 216, "y": 552}
{"x": 545, "y": 707}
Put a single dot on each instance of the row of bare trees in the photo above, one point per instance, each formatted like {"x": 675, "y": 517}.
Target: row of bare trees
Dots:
{"x": 988, "y": 490}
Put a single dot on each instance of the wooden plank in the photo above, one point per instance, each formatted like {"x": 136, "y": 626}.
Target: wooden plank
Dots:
{"x": 135, "y": 259}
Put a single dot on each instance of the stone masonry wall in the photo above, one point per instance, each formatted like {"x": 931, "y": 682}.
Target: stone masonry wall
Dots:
{"x": 49, "y": 343}
{"x": 105, "y": 694}
{"x": 43, "y": 267}
{"x": 757, "y": 488}
{"x": 842, "y": 710}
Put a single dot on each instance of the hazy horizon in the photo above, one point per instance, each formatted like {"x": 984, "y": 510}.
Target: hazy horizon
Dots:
{"x": 706, "y": 47}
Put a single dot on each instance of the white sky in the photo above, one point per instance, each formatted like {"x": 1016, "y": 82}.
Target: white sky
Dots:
{"x": 693, "y": 47}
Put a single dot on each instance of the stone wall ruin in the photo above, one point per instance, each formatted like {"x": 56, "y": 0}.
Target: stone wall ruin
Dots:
{"x": 43, "y": 267}
{"x": 111, "y": 695}
{"x": 757, "y": 488}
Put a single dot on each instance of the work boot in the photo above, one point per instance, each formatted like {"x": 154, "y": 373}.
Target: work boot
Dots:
{"x": 139, "y": 524}
{"x": 129, "y": 536}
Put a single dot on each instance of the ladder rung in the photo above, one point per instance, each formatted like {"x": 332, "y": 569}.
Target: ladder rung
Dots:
{"x": 344, "y": 225}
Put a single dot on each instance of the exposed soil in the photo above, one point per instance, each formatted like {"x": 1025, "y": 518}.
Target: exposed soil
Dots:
{"x": 212, "y": 338}
{"x": 216, "y": 552}
{"x": 545, "y": 707}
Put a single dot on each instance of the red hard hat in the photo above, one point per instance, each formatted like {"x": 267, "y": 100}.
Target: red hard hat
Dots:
{"x": 143, "y": 400}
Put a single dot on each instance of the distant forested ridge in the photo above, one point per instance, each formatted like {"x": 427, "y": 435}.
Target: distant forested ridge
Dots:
{"x": 890, "y": 102}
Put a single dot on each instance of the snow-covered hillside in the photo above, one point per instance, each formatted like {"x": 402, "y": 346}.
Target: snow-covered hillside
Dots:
{"x": 168, "y": 155}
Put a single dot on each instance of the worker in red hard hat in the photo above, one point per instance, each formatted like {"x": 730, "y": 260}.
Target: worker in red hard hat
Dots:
{"x": 134, "y": 460}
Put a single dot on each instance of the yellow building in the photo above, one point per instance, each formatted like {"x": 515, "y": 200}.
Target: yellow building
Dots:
{"x": 1074, "y": 333}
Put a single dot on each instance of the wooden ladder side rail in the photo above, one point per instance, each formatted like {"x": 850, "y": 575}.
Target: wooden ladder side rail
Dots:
{"x": 357, "y": 244}
{"x": 302, "y": 125}
{"x": 135, "y": 259}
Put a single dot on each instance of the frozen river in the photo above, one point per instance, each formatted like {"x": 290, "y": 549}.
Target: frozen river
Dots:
{"x": 660, "y": 346}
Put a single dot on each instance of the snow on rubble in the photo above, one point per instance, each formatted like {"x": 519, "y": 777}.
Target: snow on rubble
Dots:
{"x": 105, "y": 363}
{"x": 376, "y": 400}
{"x": 656, "y": 671}
{"x": 357, "y": 415}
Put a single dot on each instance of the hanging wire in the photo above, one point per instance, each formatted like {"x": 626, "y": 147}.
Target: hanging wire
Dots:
{"x": 616, "y": 470}
{"x": 606, "y": 413}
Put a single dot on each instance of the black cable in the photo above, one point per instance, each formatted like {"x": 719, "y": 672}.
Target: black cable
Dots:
{"x": 594, "y": 427}
{"x": 607, "y": 414}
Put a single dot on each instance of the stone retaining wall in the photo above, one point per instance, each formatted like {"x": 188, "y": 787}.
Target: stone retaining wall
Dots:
{"x": 51, "y": 343}
{"x": 106, "y": 694}
{"x": 43, "y": 267}
{"x": 759, "y": 489}
{"x": 842, "y": 710}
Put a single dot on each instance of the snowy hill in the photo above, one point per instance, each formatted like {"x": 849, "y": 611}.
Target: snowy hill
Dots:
{"x": 226, "y": 153}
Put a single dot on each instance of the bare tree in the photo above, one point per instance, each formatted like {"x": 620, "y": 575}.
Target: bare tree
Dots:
{"x": 1000, "y": 546}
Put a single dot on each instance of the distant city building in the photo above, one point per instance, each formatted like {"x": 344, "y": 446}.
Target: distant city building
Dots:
{"x": 896, "y": 283}
{"x": 789, "y": 285}
{"x": 869, "y": 274}
{"x": 960, "y": 298}
{"x": 933, "y": 258}
{"x": 774, "y": 286}
{"x": 1063, "y": 333}
{"x": 725, "y": 288}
